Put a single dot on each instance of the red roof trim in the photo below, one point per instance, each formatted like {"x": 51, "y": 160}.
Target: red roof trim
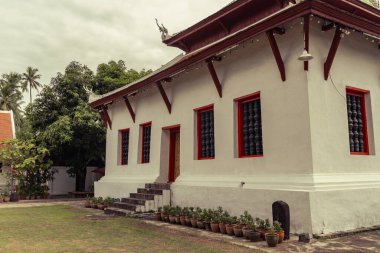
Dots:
{"x": 307, "y": 7}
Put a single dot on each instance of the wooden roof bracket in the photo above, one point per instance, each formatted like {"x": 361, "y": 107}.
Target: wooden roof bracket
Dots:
{"x": 105, "y": 116}
{"x": 277, "y": 54}
{"x": 164, "y": 96}
{"x": 306, "y": 30}
{"x": 333, "y": 49}
{"x": 213, "y": 74}
{"x": 130, "y": 109}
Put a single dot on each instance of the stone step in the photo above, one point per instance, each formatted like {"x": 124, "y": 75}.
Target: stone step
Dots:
{"x": 150, "y": 191}
{"x": 117, "y": 212}
{"x": 142, "y": 196}
{"x": 126, "y": 206}
{"x": 134, "y": 201}
{"x": 160, "y": 186}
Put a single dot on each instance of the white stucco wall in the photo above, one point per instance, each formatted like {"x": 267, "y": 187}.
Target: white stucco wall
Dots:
{"x": 306, "y": 160}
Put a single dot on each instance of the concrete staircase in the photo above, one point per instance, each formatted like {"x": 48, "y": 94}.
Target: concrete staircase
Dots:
{"x": 146, "y": 199}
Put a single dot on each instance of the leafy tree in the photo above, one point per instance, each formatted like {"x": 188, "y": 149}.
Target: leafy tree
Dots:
{"x": 62, "y": 120}
{"x": 29, "y": 80}
{"x": 11, "y": 95}
{"x": 113, "y": 75}
{"x": 30, "y": 165}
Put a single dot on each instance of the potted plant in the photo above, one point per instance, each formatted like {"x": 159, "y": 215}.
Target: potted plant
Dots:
{"x": 198, "y": 214}
{"x": 263, "y": 227}
{"x": 182, "y": 215}
{"x": 158, "y": 213}
{"x": 94, "y": 202}
{"x": 222, "y": 222}
{"x": 245, "y": 219}
{"x": 279, "y": 230}
{"x": 253, "y": 234}
{"x": 231, "y": 222}
{"x": 188, "y": 216}
{"x": 271, "y": 237}
{"x": 238, "y": 229}
{"x": 1, "y": 198}
{"x": 195, "y": 216}
{"x": 206, "y": 218}
{"x": 87, "y": 203}
{"x": 177, "y": 213}
{"x": 165, "y": 213}
{"x": 172, "y": 214}
{"x": 100, "y": 203}
{"x": 215, "y": 220}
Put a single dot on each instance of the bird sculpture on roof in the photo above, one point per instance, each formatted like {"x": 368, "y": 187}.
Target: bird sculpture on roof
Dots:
{"x": 164, "y": 32}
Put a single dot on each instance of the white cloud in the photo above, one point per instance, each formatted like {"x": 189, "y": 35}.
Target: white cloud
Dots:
{"x": 48, "y": 34}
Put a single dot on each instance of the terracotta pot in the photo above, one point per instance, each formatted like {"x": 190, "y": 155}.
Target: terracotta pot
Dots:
{"x": 158, "y": 216}
{"x": 93, "y": 205}
{"x": 172, "y": 219}
{"x": 200, "y": 224}
{"x": 207, "y": 226}
{"x": 1, "y": 200}
{"x": 245, "y": 232}
{"x": 230, "y": 229}
{"x": 7, "y": 199}
{"x": 188, "y": 221}
{"x": 194, "y": 222}
{"x": 271, "y": 239}
{"x": 254, "y": 236}
{"x": 238, "y": 231}
{"x": 222, "y": 228}
{"x": 215, "y": 227}
{"x": 87, "y": 204}
{"x": 166, "y": 218}
{"x": 177, "y": 220}
{"x": 182, "y": 220}
{"x": 100, "y": 206}
{"x": 281, "y": 236}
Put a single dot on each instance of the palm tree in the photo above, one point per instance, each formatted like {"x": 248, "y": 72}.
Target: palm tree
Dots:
{"x": 11, "y": 95}
{"x": 30, "y": 79}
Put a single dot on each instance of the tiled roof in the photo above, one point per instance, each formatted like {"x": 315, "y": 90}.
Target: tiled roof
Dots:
{"x": 6, "y": 126}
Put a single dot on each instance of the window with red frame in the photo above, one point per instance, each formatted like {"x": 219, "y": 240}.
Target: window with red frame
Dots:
{"x": 146, "y": 133}
{"x": 124, "y": 137}
{"x": 205, "y": 132}
{"x": 250, "y": 140}
{"x": 357, "y": 121}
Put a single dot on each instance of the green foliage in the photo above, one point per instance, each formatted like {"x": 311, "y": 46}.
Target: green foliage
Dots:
{"x": 62, "y": 120}
{"x": 277, "y": 226}
{"x": 29, "y": 80}
{"x": 30, "y": 165}
{"x": 113, "y": 75}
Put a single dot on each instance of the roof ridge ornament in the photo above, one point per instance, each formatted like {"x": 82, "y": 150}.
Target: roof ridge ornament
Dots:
{"x": 164, "y": 32}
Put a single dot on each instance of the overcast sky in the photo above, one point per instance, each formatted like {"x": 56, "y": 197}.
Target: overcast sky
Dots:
{"x": 48, "y": 34}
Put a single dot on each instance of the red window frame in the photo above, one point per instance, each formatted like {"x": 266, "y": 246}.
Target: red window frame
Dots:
{"x": 199, "y": 147}
{"x": 122, "y": 161}
{"x": 361, "y": 93}
{"x": 239, "y": 101}
{"x": 142, "y": 126}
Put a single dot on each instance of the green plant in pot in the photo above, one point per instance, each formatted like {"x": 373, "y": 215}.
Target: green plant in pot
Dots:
{"x": 271, "y": 237}
{"x": 215, "y": 218}
{"x": 186, "y": 216}
{"x": 263, "y": 226}
{"x": 94, "y": 202}
{"x": 194, "y": 216}
{"x": 238, "y": 229}
{"x": 279, "y": 230}
{"x": 206, "y": 218}
{"x": 100, "y": 203}
{"x": 231, "y": 222}
{"x": 245, "y": 220}
{"x": 253, "y": 234}
{"x": 87, "y": 203}
{"x": 172, "y": 215}
{"x": 6, "y": 195}
{"x": 199, "y": 215}
{"x": 177, "y": 213}
{"x": 223, "y": 220}
{"x": 158, "y": 214}
{"x": 165, "y": 213}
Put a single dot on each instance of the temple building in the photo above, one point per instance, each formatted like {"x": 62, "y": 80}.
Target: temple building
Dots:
{"x": 272, "y": 100}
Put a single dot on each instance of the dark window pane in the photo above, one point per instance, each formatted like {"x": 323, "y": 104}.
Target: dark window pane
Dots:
{"x": 124, "y": 147}
{"x": 206, "y": 135}
{"x": 146, "y": 144}
{"x": 356, "y": 128}
{"x": 251, "y": 131}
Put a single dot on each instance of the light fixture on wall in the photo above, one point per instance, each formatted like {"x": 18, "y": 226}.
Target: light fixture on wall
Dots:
{"x": 305, "y": 56}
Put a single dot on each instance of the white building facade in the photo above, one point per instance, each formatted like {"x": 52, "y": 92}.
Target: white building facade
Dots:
{"x": 274, "y": 134}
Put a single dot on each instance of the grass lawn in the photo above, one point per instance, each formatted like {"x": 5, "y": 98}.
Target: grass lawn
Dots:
{"x": 70, "y": 229}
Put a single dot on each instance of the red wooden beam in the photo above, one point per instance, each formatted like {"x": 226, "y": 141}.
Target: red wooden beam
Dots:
{"x": 130, "y": 109}
{"x": 277, "y": 54}
{"x": 164, "y": 96}
{"x": 214, "y": 76}
{"x": 224, "y": 27}
{"x": 106, "y": 117}
{"x": 332, "y": 52}
{"x": 306, "y": 30}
